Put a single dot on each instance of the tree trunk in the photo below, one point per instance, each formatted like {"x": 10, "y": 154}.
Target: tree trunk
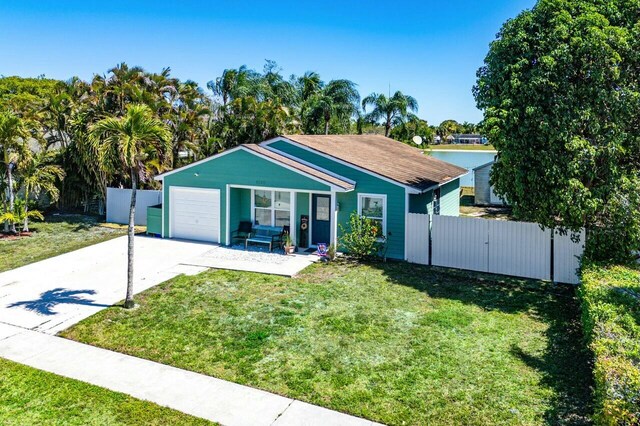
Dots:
{"x": 4, "y": 207}
{"x": 11, "y": 196}
{"x": 326, "y": 127}
{"x": 25, "y": 226}
{"x": 128, "y": 301}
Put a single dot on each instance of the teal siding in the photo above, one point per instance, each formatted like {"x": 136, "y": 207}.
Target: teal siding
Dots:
{"x": 239, "y": 207}
{"x": 450, "y": 199}
{"x": 365, "y": 183}
{"x": 421, "y": 203}
{"x": 302, "y": 207}
{"x": 237, "y": 168}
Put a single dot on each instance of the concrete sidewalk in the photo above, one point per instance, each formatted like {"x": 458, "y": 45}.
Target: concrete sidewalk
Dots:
{"x": 192, "y": 393}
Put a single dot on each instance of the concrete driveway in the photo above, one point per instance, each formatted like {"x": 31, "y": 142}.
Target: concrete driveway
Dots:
{"x": 53, "y": 294}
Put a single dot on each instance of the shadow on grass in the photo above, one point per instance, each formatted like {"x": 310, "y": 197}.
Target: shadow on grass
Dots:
{"x": 48, "y": 300}
{"x": 565, "y": 364}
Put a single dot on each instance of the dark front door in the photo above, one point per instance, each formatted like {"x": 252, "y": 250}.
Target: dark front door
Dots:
{"x": 321, "y": 219}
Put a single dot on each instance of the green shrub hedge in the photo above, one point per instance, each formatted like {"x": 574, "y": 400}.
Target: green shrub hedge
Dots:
{"x": 610, "y": 299}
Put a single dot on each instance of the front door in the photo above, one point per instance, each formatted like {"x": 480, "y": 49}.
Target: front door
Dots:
{"x": 321, "y": 219}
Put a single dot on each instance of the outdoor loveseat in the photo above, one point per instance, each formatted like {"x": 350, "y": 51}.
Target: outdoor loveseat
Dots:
{"x": 273, "y": 236}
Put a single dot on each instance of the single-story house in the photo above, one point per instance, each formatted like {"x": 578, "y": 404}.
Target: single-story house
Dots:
{"x": 483, "y": 190}
{"x": 465, "y": 138}
{"x": 311, "y": 179}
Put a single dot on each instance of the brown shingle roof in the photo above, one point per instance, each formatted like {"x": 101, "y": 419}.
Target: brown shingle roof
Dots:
{"x": 384, "y": 156}
{"x": 341, "y": 183}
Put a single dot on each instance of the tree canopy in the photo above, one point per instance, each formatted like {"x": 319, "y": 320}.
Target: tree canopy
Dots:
{"x": 241, "y": 105}
{"x": 560, "y": 91}
{"x": 392, "y": 110}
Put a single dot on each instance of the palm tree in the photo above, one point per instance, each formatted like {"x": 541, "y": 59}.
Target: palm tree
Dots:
{"x": 134, "y": 144}
{"x": 392, "y": 111}
{"x": 14, "y": 137}
{"x": 39, "y": 174}
{"x": 337, "y": 100}
{"x": 187, "y": 117}
{"x": 308, "y": 84}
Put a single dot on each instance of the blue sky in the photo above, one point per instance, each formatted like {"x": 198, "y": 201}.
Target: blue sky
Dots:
{"x": 429, "y": 49}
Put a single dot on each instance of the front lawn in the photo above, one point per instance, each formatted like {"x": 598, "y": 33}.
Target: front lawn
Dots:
{"x": 395, "y": 343}
{"x": 57, "y": 235}
{"x": 33, "y": 397}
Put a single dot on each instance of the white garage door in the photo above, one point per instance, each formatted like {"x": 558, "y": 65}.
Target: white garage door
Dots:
{"x": 195, "y": 214}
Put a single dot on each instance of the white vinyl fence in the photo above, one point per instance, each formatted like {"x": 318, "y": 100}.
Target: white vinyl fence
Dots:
{"x": 119, "y": 201}
{"x": 417, "y": 234}
{"x": 502, "y": 247}
{"x": 566, "y": 256}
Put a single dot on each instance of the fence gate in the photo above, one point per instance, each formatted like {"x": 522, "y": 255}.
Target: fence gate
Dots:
{"x": 520, "y": 249}
{"x": 417, "y": 238}
{"x": 460, "y": 242}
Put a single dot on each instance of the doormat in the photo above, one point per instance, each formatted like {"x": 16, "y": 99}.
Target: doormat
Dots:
{"x": 310, "y": 250}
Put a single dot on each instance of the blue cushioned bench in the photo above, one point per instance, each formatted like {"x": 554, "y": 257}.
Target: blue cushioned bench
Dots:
{"x": 266, "y": 235}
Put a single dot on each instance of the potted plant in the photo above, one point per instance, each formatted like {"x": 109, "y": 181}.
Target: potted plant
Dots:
{"x": 289, "y": 247}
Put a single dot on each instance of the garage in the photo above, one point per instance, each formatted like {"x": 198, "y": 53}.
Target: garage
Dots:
{"x": 195, "y": 214}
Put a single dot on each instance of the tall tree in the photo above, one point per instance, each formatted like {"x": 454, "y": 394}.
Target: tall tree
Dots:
{"x": 391, "y": 110}
{"x": 560, "y": 93}
{"x": 448, "y": 128}
{"x": 137, "y": 144}
{"x": 187, "y": 118}
{"x": 413, "y": 126}
{"x": 337, "y": 101}
{"x": 39, "y": 174}
{"x": 14, "y": 137}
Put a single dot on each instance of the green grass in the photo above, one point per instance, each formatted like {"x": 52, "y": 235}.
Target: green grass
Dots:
{"x": 463, "y": 147}
{"x": 57, "y": 235}
{"x": 33, "y": 397}
{"x": 391, "y": 342}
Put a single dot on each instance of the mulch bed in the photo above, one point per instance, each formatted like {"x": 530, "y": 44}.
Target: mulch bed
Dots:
{"x": 11, "y": 236}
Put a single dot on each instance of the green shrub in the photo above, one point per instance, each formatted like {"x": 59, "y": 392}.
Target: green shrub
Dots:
{"x": 363, "y": 239}
{"x": 610, "y": 299}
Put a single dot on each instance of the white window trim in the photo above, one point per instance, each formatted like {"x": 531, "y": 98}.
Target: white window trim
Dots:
{"x": 272, "y": 208}
{"x": 384, "y": 208}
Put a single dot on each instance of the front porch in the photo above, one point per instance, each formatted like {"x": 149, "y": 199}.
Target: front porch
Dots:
{"x": 310, "y": 217}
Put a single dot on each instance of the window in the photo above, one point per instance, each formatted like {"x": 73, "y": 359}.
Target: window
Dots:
{"x": 436, "y": 201}
{"x": 271, "y": 208}
{"x": 323, "y": 208}
{"x": 263, "y": 209}
{"x": 374, "y": 207}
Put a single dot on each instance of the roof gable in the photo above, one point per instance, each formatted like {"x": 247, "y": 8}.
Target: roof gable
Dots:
{"x": 335, "y": 182}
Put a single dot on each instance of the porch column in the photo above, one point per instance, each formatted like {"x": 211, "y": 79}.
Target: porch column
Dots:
{"x": 406, "y": 218}
{"x": 334, "y": 219}
{"x": 227, "y": 222}
{"x": 293, "y": 214}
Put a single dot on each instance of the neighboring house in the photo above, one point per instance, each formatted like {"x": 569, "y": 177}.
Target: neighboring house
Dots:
{"x": 483, "y": 191}
{"x": 294, "y": 177}
{"x": 468, "y": 139}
